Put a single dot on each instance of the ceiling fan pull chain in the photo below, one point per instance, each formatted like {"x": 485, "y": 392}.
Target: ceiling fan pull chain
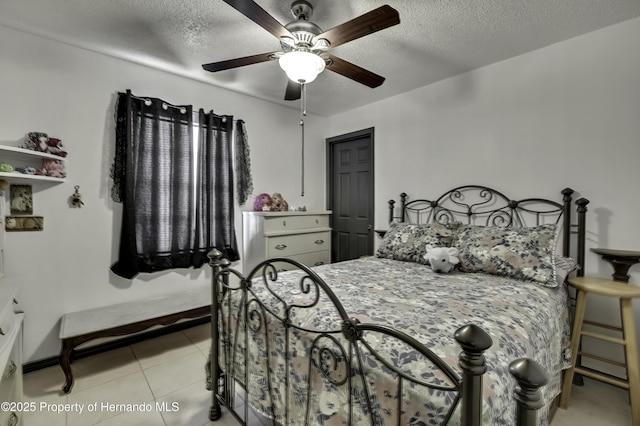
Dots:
{"x": 303, "y": 113}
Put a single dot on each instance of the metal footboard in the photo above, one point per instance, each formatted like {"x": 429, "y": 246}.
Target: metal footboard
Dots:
{"x": 308, "y": 370}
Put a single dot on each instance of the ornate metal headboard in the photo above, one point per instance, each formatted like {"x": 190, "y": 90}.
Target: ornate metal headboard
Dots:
{"x": 480, "y": 205}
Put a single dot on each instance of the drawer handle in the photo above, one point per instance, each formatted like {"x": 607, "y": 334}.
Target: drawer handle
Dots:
{"x": 1, "y": 332}
{"x": 284, "y": 223}
{"x": 318, "y": 263}
{"x": 319, "y": 242}
{"x": 12, "y": 368}
{"x": 281, "y": 246}
{"x": 13, "y": 420}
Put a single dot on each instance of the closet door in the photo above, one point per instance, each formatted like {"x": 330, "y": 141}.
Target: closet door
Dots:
{"x": 350, "y": 194}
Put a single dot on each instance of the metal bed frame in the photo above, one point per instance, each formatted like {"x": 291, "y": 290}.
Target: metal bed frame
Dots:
{"x": 339, "y": 354}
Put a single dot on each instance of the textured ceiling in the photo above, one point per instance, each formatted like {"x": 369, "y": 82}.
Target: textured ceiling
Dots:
{"x": 436, "y": 39}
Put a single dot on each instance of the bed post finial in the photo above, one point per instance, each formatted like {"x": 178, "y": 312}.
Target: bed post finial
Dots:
{"x": 474, "y": 341}
{"x": 392, "y": 204}
{"x": 403, "y": 203}
{"x": 216, "y": 259}
{"x": 530, "y": 377}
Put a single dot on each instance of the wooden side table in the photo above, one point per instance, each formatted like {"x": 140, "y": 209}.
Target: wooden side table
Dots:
{"x": 621, "y": 260}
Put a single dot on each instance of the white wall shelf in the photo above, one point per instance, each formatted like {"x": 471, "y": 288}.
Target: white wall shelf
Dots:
{"x": 20, "y": 157}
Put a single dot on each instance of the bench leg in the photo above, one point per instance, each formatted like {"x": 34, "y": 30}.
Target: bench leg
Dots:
{"x": 65, "y": 364}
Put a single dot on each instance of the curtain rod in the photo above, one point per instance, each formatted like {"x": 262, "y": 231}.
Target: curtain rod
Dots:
{"x": 183, "y": 110}
{"x": 165, "y": 106}
{"x": 224, "y": 117}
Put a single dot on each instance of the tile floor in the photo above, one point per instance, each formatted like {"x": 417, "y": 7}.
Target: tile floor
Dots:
{"x": 167, "y": 374}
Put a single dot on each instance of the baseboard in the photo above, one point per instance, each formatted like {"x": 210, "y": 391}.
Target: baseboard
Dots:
{"x": 117, "y": 343}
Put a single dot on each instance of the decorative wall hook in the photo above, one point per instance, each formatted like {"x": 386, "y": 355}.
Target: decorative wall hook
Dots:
{"x": 75, "y": 200}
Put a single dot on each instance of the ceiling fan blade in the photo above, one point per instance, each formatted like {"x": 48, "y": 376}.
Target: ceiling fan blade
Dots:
{"x": 376, "y": 20}
{"x": 261, "y": 17}
{"x": 353, "y": 71}
{"x": 239, "y": 62}
{"x": 293, "y": 92}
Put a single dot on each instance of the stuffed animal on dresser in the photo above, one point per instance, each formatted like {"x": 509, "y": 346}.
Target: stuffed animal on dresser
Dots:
{"x": 263, "y": 203}
{"x": 279, "y": 203}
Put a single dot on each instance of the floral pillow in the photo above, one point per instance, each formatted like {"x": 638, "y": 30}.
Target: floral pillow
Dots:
{"x": 526, "y": 254}
{"x": 564, "y": 266}
{"x": 408, "y": 241}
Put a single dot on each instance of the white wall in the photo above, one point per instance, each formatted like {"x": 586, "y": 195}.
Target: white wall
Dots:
{"x": 566, "y": 115}
{"x": 563, "y": 116}
{"x": 69, "y": 93}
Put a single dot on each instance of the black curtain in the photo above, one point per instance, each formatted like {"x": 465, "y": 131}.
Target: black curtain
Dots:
{"x": 177, "y": 196}
{"x": 244, "y": 180}
{"x": 153, "y": 174}
{"x": 215, "y": 210}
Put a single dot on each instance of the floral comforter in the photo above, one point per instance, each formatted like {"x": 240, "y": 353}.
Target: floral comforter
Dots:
{"x": 522, "y": 318}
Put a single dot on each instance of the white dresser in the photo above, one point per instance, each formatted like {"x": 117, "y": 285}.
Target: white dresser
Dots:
{"x": 301, "y": 236}
{"x": 10, "y": 354}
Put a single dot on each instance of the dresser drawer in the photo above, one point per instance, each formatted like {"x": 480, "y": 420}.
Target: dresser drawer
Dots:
{"x": 288, "y": 245}
{"x": 266, "y": 235}
{"x": 11, "y": 359}
{"x": 10, "y": 418}
{"x": 8, "y": 379}
{"x": 308, "y": 259}
{"x": 278, "y": 224}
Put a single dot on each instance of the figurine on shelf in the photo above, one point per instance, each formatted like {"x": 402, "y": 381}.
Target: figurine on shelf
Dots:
{"x": 26, "y": 170}
{"x": 41, "y": 142}
{"x": 53, "y": 168}
{"x": 54, "y": 146}
{"x": 37, "y": 141}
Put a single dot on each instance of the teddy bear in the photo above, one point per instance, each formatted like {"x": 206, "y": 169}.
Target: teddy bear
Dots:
{"x": 53, "y": 168}
{"x": 263, "y": 203}
{"x": 41, "y": 142}
{"x": 54, "y": 146}
{"x": 442, "y": 259}
{"x": 37, "y": 141}
{"x": 279, "y": 203}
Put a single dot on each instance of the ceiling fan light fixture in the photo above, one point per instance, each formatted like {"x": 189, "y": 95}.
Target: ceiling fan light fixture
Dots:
{"x": 301, "y": 66}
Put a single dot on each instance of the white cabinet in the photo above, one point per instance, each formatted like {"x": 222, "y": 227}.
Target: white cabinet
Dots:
{"x": 19, "y": 157}
{"x": 301, "y": 236}
{"x": 10, "y": 353}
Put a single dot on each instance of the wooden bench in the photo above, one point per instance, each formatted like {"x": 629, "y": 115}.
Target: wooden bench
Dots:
{"x": 127, "y": 318}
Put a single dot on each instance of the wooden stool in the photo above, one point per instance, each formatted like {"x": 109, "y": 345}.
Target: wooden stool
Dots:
{"x": 626, "y": 293}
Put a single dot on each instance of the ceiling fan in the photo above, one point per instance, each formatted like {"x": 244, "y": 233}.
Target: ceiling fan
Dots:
{"x": 305, "y": 47}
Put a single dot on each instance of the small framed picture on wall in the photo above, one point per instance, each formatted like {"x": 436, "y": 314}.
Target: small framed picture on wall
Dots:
{"x": 21, "y": 200}
{"x": 23, "y": 223}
